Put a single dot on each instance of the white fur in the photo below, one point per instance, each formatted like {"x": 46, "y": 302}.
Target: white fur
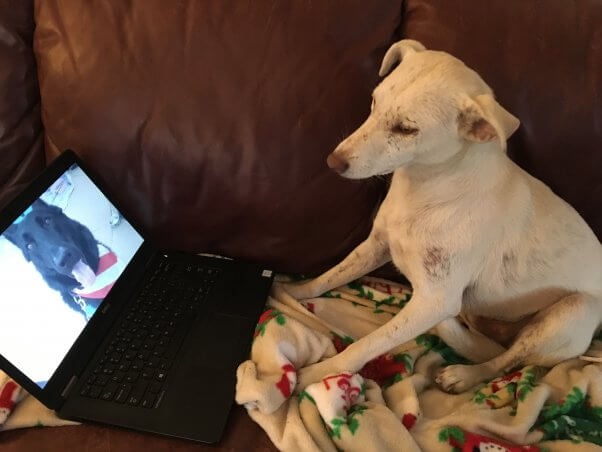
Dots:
{"x": 474, "y": 233}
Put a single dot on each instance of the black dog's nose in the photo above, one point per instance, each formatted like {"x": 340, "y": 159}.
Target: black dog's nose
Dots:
{"x": 337, "y": 163}
{"x": 62, "y": 258}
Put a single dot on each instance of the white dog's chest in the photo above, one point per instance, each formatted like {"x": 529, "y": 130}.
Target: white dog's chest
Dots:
{"x": 499, "y": 286}
{"x": 405, "y": 244}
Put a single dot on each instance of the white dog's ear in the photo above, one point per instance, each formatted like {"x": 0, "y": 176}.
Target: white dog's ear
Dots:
{"x": 397, "y": 52}
{"x": 482, "y": 119}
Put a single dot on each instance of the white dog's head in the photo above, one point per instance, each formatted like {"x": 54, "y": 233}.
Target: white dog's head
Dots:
{"x": 425, "y": 111}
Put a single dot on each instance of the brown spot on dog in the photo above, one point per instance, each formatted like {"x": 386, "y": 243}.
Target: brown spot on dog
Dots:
{"x": 436, "y": 263}
{"x": 508, "y": 267}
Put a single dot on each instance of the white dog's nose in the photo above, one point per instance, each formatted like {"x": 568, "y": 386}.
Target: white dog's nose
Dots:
{"x": 337, "y": 163}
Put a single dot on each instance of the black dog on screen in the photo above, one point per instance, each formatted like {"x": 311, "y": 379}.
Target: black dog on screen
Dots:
{"x": 63, "y": 251}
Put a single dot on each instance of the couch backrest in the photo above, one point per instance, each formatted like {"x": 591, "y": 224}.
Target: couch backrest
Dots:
{"x": 212, "y": 120}
{"x": 21, "y": 143}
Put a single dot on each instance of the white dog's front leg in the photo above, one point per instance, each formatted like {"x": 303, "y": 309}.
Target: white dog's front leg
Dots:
{"x": 367, "y": 256}
{"x": 418, "y": 316}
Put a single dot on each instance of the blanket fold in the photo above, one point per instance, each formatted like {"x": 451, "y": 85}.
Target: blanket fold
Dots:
{"x": 393, "y": 403}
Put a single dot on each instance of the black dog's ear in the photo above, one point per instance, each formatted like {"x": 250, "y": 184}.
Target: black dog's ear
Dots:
{"x": 39, "y": 204}
{"x": 11, "y": 233}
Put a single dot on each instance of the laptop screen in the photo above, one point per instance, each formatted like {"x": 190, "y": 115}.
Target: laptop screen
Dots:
{"x": 58, "y": 261}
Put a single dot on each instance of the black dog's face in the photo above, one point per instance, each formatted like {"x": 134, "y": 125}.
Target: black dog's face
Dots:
{"x": 58, "y": 246}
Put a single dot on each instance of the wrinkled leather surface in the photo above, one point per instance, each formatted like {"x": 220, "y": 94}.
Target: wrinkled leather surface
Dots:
{"x": 21, "y": 156}
{"x": 543, "y": 59}
{"x": 212, "y": 120}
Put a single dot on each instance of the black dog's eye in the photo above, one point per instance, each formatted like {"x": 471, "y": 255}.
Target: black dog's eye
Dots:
{"x": 404, "y": 130}
{"x": 30, "y": 246}
{"x": 47, "y": 220}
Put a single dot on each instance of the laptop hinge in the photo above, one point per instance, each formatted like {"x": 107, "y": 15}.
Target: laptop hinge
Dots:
{"x": 69, "y": 386}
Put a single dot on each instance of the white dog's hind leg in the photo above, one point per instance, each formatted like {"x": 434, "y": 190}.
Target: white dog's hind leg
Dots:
{"x": 470, "y": 344}
{"x": 561, "y": 331}
{"x": 366, "y": 257}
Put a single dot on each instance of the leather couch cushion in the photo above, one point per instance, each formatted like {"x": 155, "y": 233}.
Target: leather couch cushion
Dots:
{"x": 21, "y": 153}
{"x": 211, "y": 121}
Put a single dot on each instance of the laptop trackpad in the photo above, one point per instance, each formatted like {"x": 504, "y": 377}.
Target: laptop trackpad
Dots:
{"x": 218, "y": 342}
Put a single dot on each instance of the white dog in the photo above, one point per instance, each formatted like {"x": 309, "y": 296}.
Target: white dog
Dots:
{"x": 474, "y": 233}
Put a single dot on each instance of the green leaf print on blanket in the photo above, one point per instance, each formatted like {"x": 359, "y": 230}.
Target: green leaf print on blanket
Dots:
{"x": 364, "y": 291}
{"x": 434, "y": 343}
{"x": 573, "y": 418}
{"x": 508, "y": 389}
{"x": 265, "y": 319}
{"x": 461, "y": 440}
{"x": 454, "y": 436}
{"x": 351, "y": 422}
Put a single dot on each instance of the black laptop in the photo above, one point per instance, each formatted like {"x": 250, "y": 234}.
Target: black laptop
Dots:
{"x": 105, "y": 327}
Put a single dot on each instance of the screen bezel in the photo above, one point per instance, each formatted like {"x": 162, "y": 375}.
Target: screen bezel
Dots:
{"x": 94, "y": 332}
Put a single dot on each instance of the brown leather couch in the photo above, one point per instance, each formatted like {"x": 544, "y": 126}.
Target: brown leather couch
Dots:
{"x": 211, "y": 121}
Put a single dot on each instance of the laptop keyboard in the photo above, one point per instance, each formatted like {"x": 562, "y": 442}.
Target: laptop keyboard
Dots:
{"x": 140, "y": 352}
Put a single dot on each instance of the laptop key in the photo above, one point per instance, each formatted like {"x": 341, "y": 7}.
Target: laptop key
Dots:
{"x": 152, "y": 362}
{"x": 143, "y": 355}
{"x": 131, "y": 377}
{"x": 155, "y": 387}
{"x": 94, "y": 392}
{"x": 137, "y": 365}
{"x": 109, "y": 391}
{"x": 85, "y": 390}
{"x": 102, "y": 380}
{"x": 123, "y": 392}
{"x": 137, "y": 392}
{"x": 118, "y": 376}
{"x": 148, "y": 400}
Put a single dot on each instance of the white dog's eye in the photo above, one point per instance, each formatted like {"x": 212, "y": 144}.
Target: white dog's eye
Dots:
{"x": 404, "y": 130}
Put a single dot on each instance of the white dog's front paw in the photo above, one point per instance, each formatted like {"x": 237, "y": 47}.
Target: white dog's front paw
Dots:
{"x": 315, "y": 373}
{"x": 457, "y": 378}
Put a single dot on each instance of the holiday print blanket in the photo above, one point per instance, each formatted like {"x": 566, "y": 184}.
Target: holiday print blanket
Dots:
{"x": 392, "y": 404}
